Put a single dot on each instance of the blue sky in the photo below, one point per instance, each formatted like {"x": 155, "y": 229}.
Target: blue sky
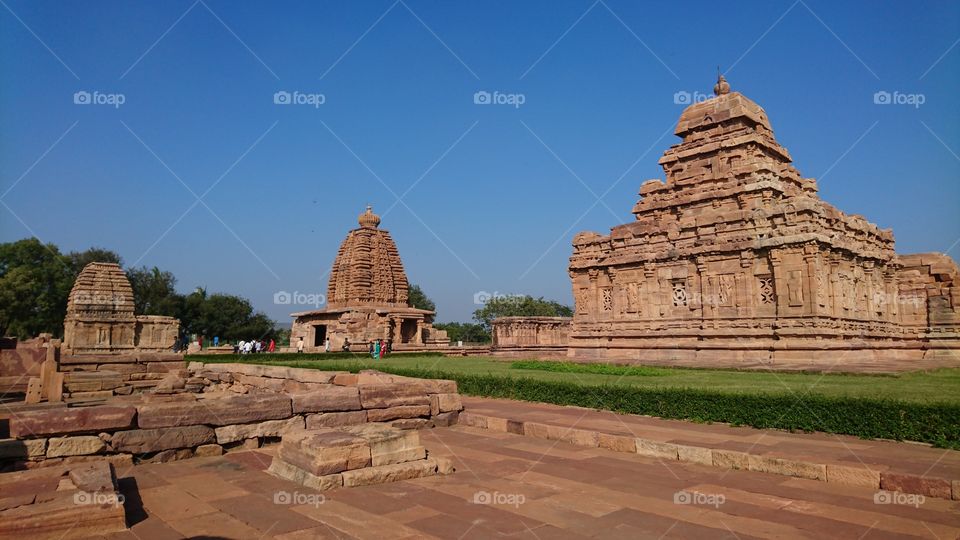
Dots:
{"x": 491, "y": 194}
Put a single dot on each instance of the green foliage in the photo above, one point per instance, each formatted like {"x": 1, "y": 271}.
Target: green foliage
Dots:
{"x": 519, "y": 306}
{"x": 79, "y": 259}
{"x": 466, "y": 332}
{"x": 418, "y": 299}
{"x": 602, "y": 369}
{"x": 35, "y": 281}
{"x": 154, "y": 292}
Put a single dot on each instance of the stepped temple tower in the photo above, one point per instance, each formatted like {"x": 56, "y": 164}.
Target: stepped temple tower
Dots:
{"x": 100, "y": 317}
{"x": 367, "y": 299}
{"x": 735, "y": 260}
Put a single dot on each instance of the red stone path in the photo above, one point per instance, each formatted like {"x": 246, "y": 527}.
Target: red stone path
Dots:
{"x": 878, "y": 456}
{"x": 540, "y": 489}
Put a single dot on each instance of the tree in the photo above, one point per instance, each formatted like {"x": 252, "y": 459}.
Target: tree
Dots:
{"x": 230, "y": 317}
{"x": 79, "y": 259}
{"x": 154, "y": 292}
{"x": 418, "y": 299}
{"x": 466, "y": 332}
{"x": 35, "y": 281}
{"x": 519, "y": 306}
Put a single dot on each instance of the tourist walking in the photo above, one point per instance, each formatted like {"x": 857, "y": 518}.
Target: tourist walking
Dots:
{"x": 300, "y": 345}
{"x": 273, "y": 346}
{"x": 376, "y": 349}
{"x": 326, "y": 345}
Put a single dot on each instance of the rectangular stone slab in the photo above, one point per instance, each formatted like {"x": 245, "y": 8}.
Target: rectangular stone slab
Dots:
{"x": 388, "y": 444}
{"x": 270, "y": 428}
{"x": 70, "y": 420}
{"x": 141, "y": 441}
{"x": 389, "y": 473}
{"x": 379, "y": 396}
{"x": 284, "y": 470}
{"x": 221, "y": 411}
{"x": 393, "y": 413}
{"x": 330, "y": 399}
{"x": 325, "y": 451}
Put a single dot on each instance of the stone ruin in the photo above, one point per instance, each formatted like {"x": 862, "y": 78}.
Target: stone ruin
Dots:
{"x": 336, "y": 429}
{"x": 367, "y": 299}
{"x": 525, "y": 335}
{"x": 735, "y": 260}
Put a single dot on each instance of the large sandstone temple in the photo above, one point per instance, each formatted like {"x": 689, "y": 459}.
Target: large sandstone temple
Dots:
{"x": 735, "y": 260}
{"x": 367, "y": 299}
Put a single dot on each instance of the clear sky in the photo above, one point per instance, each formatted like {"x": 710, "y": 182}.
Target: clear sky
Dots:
{"x": 491, "y": 194}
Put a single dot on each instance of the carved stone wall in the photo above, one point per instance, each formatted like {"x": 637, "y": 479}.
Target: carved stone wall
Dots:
{"x": 530, "y": 334}
{"x": 735, "y": 260}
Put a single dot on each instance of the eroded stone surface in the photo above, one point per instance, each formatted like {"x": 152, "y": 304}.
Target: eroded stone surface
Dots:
{"x": 70, "y": 420}
{"x": 140, "y": 441}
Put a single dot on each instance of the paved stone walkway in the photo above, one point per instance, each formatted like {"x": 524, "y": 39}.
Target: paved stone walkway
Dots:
{"x": 900, "y": 457}
{"x": 510, "y": 486}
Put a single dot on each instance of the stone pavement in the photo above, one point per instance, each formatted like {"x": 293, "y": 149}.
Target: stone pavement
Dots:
{"x": 931, "y": 469}
{"x": 510, "y": 486}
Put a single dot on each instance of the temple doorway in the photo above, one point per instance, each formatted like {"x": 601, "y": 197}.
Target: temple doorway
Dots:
{"x": 408, "y": 330}
{"x": 319, "y": 335}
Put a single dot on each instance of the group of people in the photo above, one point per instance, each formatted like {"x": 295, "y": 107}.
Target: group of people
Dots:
{"x": 254, "y": 346}
{"x": 380, "y": 348}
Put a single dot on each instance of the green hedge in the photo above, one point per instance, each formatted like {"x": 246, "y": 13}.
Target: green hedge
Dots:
{"x": 937, "y": 424}
{"x": 599, "y": 369}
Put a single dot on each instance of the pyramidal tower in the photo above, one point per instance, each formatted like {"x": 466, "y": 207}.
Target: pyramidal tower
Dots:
{"x": 735, "y": 260}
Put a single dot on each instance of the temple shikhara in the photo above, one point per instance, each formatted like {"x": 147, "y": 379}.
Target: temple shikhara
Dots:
{"x": 367, "y": 299}
{"x": 735, "y": 260}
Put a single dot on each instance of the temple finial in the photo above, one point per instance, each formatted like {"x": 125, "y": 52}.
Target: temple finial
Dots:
{"x": 722, "y": 86}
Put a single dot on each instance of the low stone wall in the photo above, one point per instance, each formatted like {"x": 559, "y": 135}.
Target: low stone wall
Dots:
{"x": 207, "y": 408}
{"x": 526, "y": 335}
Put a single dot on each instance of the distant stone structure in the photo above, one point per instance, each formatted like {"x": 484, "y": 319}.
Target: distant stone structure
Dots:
{"x": 100, "y": 318}
{"x": 735, "y": 260}
{"x": 524, "y": 335}
{"x": 367, "y": 299}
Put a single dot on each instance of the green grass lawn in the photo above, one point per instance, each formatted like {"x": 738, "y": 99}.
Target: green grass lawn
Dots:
{"x": 940, "y": 386}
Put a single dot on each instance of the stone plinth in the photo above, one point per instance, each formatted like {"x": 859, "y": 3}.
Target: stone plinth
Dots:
{"x": 352, "y": 456}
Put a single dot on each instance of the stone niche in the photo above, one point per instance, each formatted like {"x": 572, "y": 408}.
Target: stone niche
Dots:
{"x": 736, "y": 261}
{"x": 367, "y": 299}
{"x": 100, "y": 317}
